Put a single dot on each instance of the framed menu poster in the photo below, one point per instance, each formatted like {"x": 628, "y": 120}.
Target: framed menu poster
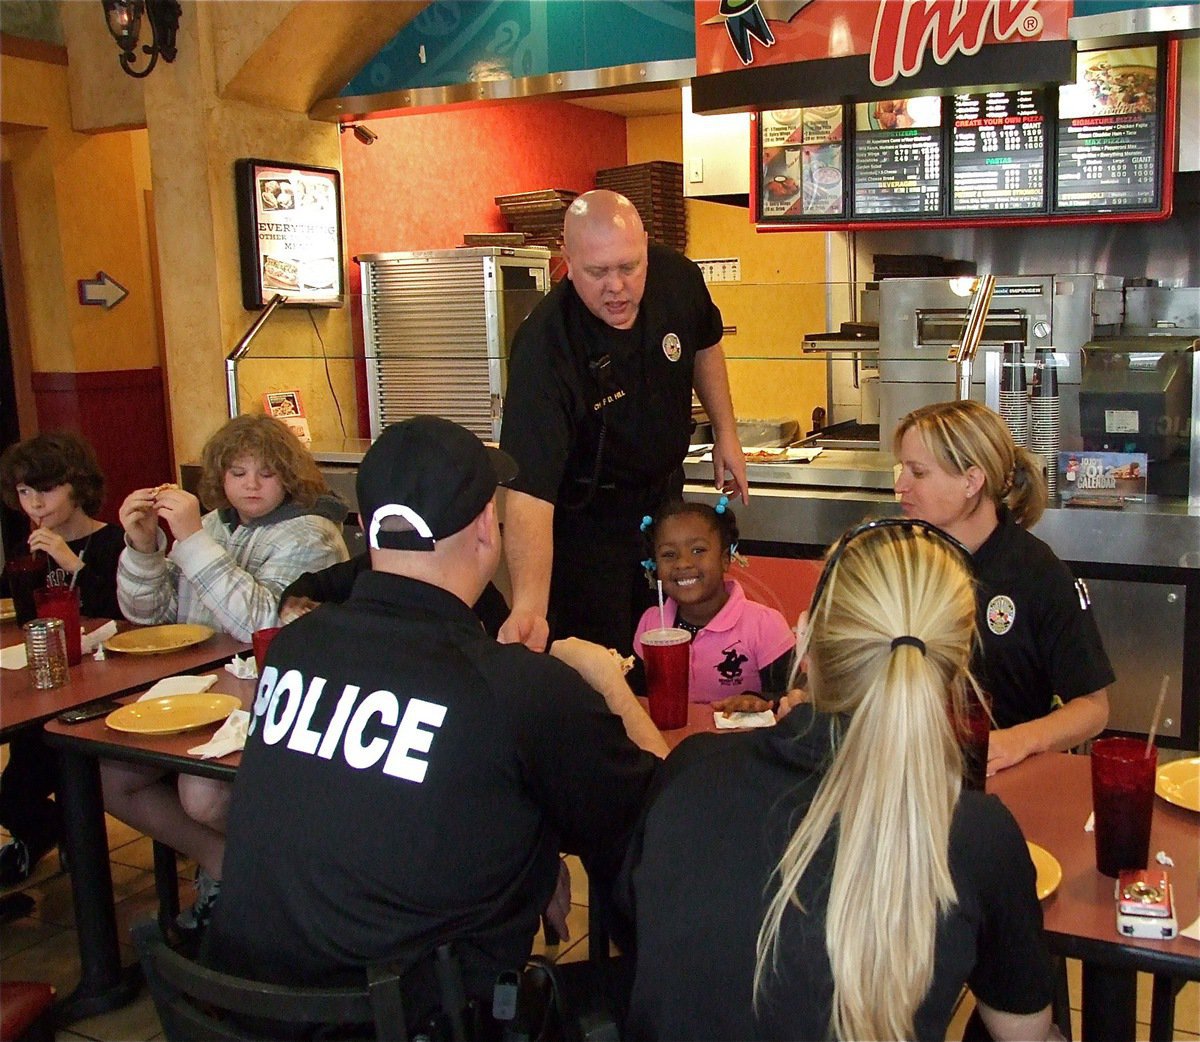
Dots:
{"x": 1109, "y": 133}
{"x": 898, "y": 158}
{"x": 802, "y": 162}
{"x": 290, "y": 233}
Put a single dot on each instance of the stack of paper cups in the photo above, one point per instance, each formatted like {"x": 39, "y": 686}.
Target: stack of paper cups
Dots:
{"x": 1014, "y": 397}
{"x": 1044, "y": 435}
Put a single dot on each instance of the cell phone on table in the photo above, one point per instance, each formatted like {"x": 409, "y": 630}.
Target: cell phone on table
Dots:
{"x": 1145, "y": 904}
{"x": 92, "y": 711}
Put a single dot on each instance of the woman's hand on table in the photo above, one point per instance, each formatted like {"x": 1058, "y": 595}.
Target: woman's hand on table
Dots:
{"x": 1007, "y": 747}
{"x": 797, "y": 696}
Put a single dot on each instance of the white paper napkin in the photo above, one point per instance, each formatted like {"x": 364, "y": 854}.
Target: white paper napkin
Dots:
{"x": 90, "y": 641}
{"x": 181, "y": 685}
{"x": 764, "y": 719}
{"x": 242, "y": 668}
{"x": 13, "y": 657}
{"x": 230, "y": 737}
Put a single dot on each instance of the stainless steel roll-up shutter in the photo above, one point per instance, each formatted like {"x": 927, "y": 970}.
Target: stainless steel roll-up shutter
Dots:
{"x": 437, "y": 325}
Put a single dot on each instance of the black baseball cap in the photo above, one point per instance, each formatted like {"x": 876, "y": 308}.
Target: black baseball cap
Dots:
{"x": 430, "y": 474}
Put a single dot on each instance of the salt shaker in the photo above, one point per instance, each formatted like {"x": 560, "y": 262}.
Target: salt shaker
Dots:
{"x": 46, "y": 652}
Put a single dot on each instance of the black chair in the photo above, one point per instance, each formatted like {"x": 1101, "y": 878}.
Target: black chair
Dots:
{"x": 196, "y": 1004}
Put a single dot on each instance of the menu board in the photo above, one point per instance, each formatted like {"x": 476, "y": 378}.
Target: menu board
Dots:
{"x": 1108, "y": 132}
{"x": 802, "y": 162}
{"x": 998, "y": 160}
{"x": 898, "y": 157}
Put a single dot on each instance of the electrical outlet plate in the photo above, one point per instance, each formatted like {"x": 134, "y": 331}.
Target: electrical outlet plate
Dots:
{"x": 721, "y": 269}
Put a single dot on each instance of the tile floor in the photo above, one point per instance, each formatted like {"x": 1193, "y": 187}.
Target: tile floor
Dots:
{"x": 42, "y": 946}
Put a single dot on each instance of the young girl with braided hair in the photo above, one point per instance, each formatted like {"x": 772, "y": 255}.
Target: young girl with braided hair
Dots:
{"x": 850, "y": 886}
{"x": 739, "y": 647}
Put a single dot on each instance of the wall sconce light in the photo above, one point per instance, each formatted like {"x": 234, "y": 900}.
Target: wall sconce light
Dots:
{"x": 124, "y": 20}
{"x": 364, "y": 133}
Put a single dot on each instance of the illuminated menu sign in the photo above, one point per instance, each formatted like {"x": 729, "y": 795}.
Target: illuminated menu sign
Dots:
{"x": 999, "y": 153}
{"x": 802, "y": 162}
{"x": 898, "y": 157}
{"x": 1108, "y": 132}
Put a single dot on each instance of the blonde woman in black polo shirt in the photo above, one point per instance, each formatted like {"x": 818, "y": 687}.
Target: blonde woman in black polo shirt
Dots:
{"x": 1043, "y": 663}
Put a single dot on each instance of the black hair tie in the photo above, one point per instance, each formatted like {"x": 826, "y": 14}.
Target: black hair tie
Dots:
{"x": 916, "y": 642}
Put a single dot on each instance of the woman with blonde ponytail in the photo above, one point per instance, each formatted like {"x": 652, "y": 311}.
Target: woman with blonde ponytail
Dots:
{"x": 829, "y": 878}
{"x": 1043, "y": 664}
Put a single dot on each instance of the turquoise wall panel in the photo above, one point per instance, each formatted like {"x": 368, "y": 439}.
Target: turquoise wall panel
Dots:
{"x": 467, "y": 40}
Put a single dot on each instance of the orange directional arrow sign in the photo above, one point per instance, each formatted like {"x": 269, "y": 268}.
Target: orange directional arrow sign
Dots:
{"x": 103, "y": 290}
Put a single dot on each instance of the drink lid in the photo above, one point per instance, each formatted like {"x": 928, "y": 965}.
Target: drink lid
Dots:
{"x": 666, "y": 637}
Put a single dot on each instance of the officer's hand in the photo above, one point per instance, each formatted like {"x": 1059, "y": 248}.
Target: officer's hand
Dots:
{"x": 524, "y": 627}
{"x": 292, "y": 608}
{"x": 729, "y": 469}
{"x": 1007, "y": 747}
{"x": 601, "y": 667}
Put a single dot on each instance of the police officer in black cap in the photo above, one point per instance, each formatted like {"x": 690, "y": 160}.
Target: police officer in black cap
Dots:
{"x": 407, "y": 779}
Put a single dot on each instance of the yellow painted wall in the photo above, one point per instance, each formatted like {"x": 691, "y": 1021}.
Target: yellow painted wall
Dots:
{"x": 781, "y": 295}
{"x": 78, "y": 212}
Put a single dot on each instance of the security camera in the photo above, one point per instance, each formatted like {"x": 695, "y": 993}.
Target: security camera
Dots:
{"x": 365, "y": 134}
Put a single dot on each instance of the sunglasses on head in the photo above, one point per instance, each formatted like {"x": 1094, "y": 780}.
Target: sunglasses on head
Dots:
{"x": 909, "y": 524}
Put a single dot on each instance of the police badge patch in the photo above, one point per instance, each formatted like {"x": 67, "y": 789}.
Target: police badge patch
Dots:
{"x": 672, "y": 348}
{"x": 1000, "y": 614}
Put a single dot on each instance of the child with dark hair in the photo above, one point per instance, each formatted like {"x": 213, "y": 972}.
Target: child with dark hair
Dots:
{"x": 55, "y": 480}
{"x": 739, "y": 647}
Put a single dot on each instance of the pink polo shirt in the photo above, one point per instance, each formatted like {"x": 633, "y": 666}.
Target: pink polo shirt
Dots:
{"x": 728, "y": 653}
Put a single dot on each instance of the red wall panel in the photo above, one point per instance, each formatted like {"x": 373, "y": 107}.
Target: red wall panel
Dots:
{"x": 122, "y": 414}
{"x": 432, "y": 176}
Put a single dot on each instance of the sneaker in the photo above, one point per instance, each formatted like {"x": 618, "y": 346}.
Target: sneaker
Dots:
{"x": 15, "y": 863}
{"x": 207, "y": 892}
{"x": 18, "y": 860}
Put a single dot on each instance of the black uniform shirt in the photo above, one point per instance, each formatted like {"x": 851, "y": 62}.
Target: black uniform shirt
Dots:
{"x": 1039, "y": 634}
{"x": 409, "y": 780}
{"x": 559, "y": 390}
{"x": 700, "y": 872}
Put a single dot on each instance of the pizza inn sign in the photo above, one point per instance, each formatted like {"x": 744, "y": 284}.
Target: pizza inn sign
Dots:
{"x": 905, "y": 30}
{"x": 902, "y": 33}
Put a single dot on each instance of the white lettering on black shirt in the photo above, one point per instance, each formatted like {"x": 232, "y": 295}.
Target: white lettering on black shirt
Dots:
{"x": 287, "y": 705}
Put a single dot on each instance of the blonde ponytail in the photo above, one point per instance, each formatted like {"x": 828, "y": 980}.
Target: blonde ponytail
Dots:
{"x": 895, "y": 778}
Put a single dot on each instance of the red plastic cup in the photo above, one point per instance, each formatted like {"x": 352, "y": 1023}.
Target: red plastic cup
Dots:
{"x": 25, "y": 574}
{"x": 1123, "y": 800}
{"x": 667, "y": 654}
{"x": 974, "y": 731}
{"x": 261, "y": 639}
{"x": 61, "y": 602}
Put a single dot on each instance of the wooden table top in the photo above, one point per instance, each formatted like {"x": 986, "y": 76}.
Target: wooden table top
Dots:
{"x": 165, "y": 750}
{"x": 1050, "y": 795}
{"x": 23, "y": 705}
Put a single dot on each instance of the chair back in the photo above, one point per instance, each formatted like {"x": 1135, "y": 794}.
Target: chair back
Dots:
{"x": 196, "y": 1004}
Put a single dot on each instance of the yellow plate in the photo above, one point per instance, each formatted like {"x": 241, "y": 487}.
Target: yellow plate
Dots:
{"x": 1179, "y": 783}
{"x": 153, "y": 640}
{"x": 172, "y": 713}
{"x": 7, "y": 609}
{"x": 1049, "y": 871}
